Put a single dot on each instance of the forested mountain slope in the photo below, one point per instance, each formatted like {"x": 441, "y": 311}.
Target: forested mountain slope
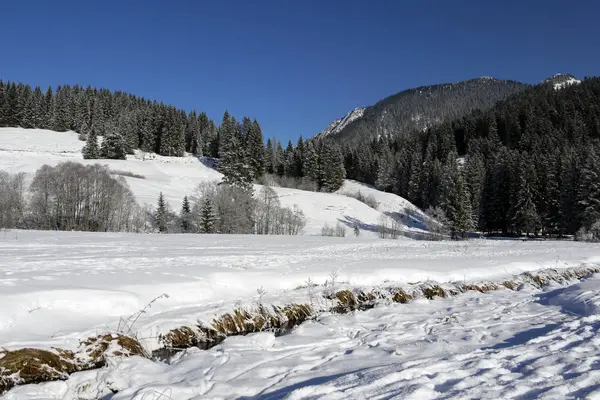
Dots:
{"x": 529, "y": 164}
{"x": 420, "y": 108}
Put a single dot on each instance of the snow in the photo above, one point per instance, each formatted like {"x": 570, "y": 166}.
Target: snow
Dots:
{"x": 26, "y": 150}
{"x": 568, "y": 82}
{"x": 60, "y": 287}
{"x": 339, "y": 124}
{"x": 57, "y": 288}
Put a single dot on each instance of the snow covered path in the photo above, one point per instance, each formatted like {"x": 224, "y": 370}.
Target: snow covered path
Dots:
{"x": 505, "y": 344}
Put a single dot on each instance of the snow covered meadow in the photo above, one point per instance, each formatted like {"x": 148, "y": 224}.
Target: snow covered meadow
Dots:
{"x": 57, "y": 288}
{"x": 532, "y": 336}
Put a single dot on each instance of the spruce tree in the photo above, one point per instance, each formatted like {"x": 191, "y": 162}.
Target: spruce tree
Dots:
{"x": 256, "y": 150}
{"x": 299, "y": 156}
{"x": 588, "y": 196}
{"x": 385, "y": 171}
{"x": 185, "y": 215}
{"x": 524, "y": 213}
{"x": 455, "y": 197}
{"x": 91, "y": 150}
{"x": 279, "y": 161}
{"x": 113, "y": 146}
{"x": 161, "y": 215}
{"x": 269, "y": 157}
{"x": 207, "y": 217}
{"x": 3, "y": 105}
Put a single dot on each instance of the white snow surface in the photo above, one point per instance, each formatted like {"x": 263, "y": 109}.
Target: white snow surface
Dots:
{"x": 26, "y": 150}
{"x": 59, "y": 287}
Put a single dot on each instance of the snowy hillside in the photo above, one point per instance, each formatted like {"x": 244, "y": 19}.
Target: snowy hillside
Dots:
{"x": 25, "y": 150}
{"x": 339, "y": 124}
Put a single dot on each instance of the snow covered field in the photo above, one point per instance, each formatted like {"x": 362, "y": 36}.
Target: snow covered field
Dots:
{"x": 59, "y": 287}
{"x": 26, "y": 150}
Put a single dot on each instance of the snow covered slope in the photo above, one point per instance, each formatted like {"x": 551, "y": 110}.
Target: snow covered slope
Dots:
{"x": 339, "y": 124}
{"x": 25, "y": 150}
{"x": 560, "y": 81}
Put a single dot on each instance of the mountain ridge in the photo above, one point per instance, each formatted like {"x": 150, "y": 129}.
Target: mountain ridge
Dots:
{"x": 426, "y": 106}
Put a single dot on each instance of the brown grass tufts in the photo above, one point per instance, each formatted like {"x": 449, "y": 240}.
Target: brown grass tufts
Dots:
{"x": 99, "y": 348}
{"x": 400, "y": 296}
{"x": 510, "y": 285}
{"x": 433, "y": 291}
{"x": 28, "y": 365}
{"x": 481, "y": 288}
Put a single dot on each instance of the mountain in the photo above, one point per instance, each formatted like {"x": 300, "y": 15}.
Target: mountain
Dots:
{"x": 562, "y": 80}
{"x": 420, "y": 108}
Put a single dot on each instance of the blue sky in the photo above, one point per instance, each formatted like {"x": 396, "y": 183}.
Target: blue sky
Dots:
{"x": 294, "y": 65}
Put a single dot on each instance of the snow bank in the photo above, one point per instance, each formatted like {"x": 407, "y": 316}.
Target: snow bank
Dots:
{"x": 582, "y": 299}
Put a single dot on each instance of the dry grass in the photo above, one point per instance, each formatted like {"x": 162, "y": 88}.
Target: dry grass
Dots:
{"x": 98, "y": 349}
{"x": 23, "y": 366}
{"x": 33, "y": 365}
{"x": 430, "y": 292}
{"x": 400, "y": 296}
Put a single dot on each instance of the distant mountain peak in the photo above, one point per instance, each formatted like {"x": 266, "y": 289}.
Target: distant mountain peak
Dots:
{"x": 562, "y": 80}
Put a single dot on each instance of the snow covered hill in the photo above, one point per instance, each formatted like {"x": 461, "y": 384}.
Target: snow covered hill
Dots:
{"x": 25, "y": 150}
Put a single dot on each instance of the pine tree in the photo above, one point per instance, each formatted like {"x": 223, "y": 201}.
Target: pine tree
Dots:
{"x": 455, "y": 197}
{"x": 588, "y": 196}
{"x": 325, "y": 165}
{"x": 185, "y": 215}
{"x": 207, "y": 217}
{"x": 279, "y": 161}
{"x": 385, "y": 171}
{"x": 269, "y": 157}
{"x": 113, "y": 146}
{"x": 48, "y": 109}
{"x": 3, "y": 105}
{"x": 288, "y": 160}
{"x": 299, "y": 156}
{"x": 255, "y": 149}
{"x": 475, "y": 177}
{"x": 524, "y": 213}
{"x": 91, "y": 150}
{"x": 161, "y": 215}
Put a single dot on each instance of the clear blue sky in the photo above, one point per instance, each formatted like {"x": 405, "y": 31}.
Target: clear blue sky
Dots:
{"x": 294, "y": 65}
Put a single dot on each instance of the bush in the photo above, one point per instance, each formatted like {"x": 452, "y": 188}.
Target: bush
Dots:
{"x": 126, "y": 173}
{"x": 339, "y": 230}
{"x": 591, "y": 234}
{"x": 369, "y": 200}
{"x": 289, "y": 182}
{"x": 234, "y": 210}
{"x": 438, "y": 223}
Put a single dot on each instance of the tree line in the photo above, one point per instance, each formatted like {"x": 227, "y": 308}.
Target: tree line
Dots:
{"x": 127, "y": 123}
{"x": 528, "y": 165}
{"x": 72, "y": 196}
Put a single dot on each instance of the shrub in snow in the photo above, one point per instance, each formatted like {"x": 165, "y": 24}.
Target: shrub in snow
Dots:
{"x": 369, "y": 200}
